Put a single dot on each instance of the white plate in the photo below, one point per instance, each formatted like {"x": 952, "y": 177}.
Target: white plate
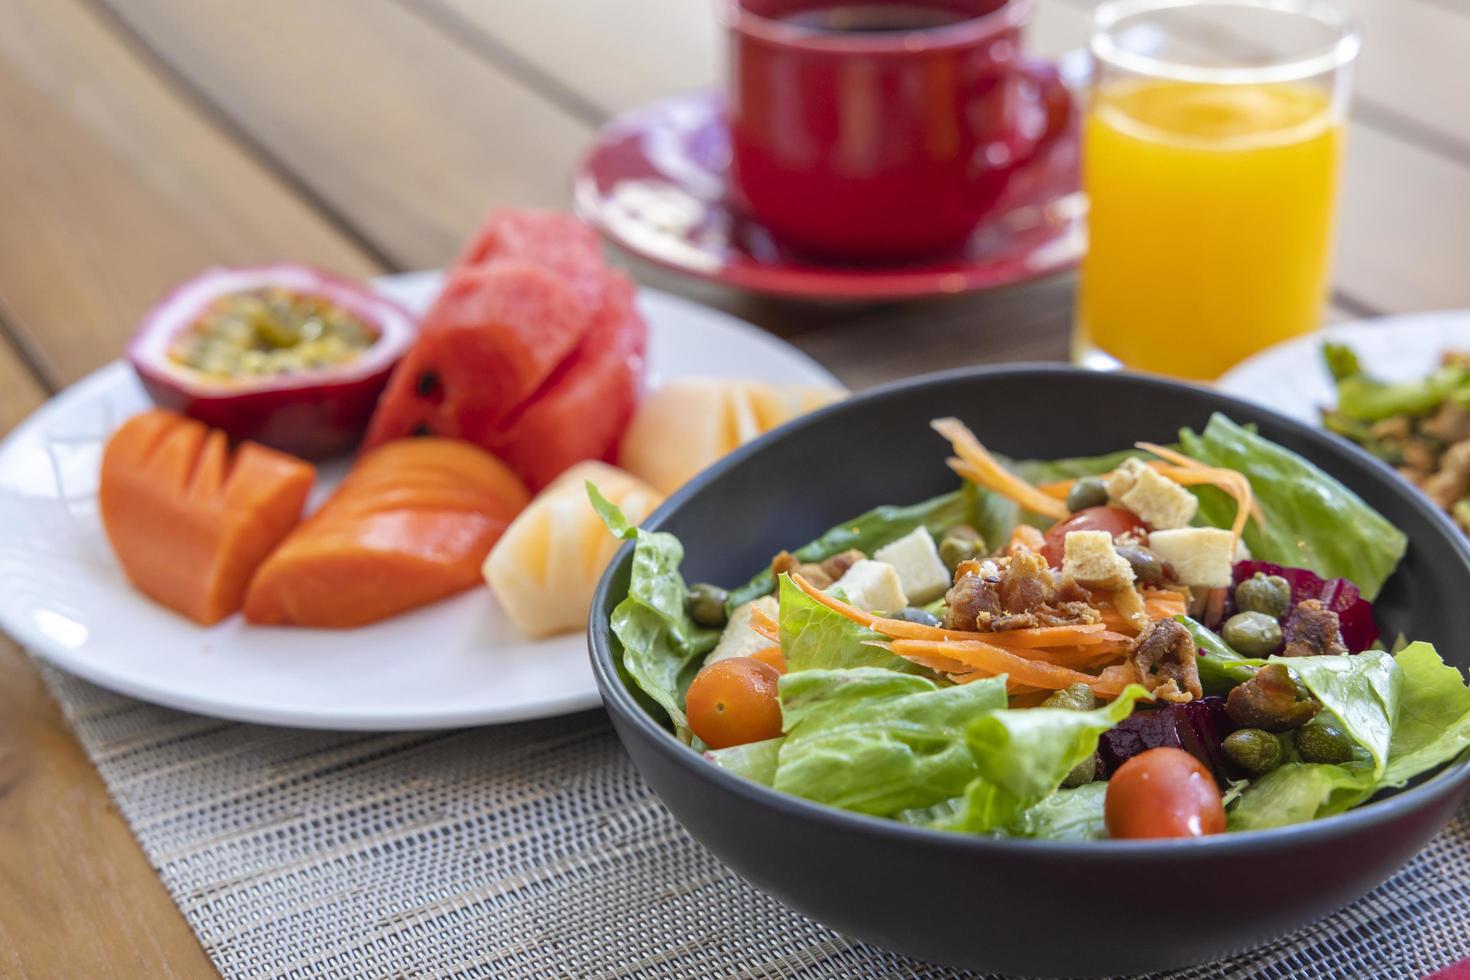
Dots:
{"x": 1292, "y": 379}
{"x": 458, "y": 662}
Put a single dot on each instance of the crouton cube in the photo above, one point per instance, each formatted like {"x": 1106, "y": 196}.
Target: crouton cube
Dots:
{"x": 1089, "y": 558}
{"x": 920, "y": 570}
{"x": 1121, "y": 480}
{"x": 740, "y": 638}
{"x": 1200, "y": 556}
{"x": 1159, "y": 501}
{"x": 872, "y": 586}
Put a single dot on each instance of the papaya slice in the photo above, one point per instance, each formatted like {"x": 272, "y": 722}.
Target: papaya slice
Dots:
{"x": 410, "y": 525}
{"x": 190, "y": 521}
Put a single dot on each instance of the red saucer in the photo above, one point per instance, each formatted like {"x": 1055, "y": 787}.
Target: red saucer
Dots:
{"x": 654, "y": 183}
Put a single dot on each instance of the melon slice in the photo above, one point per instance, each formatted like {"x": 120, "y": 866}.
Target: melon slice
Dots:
{"x": 686, "y": 425}
{"x": 547, "y": 564}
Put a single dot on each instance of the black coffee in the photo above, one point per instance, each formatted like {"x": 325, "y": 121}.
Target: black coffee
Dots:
{"x": 867, "y": 18}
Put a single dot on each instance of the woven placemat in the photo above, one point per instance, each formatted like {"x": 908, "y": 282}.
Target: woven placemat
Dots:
{"x": 535, "y": 850}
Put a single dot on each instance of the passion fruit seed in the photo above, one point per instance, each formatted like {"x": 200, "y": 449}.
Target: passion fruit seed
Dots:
{"x": 271, "y": 331}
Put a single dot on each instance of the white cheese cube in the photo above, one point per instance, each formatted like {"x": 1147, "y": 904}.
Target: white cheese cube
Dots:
{"x": 1089, "y": 558}
{"x": 916, "y": 559}
{"x": 872, "y": 586}
{"x": 1199, "y": 555}
{"x": 740, "y": 638}
{"x": 1162, "y": 503}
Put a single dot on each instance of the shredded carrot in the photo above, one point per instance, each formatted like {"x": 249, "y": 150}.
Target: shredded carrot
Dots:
{"x": 771, "y": 656}
{"x": 762, "y": 623}
{"x": 1157, "y": 604}
{"x": 1081, "y": 634}
{"x": 989, "y": 659}
{"x": 986, "y": 472}
{"x": 1025, "y": 538}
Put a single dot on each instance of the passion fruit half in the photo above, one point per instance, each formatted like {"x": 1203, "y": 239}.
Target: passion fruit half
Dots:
{"x": 286, "y": 355}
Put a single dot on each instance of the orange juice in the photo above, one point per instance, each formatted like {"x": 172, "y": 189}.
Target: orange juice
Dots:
{"x": 1210, "y": 221}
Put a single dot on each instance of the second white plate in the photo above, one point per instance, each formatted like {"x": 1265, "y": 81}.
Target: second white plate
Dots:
{"x": 1292, "y": 379}
{"x": 458, "y": 662}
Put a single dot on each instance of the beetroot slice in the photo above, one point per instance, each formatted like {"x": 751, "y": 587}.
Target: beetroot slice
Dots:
{"x": 1354, "y": 613}
{"x": 1198, "y": 727}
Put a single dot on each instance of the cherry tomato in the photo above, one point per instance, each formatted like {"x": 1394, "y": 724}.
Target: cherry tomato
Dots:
{"x": 1114, "y": 520}
{"x": 734, "y": 701}
{"x": 1163, "y": 792}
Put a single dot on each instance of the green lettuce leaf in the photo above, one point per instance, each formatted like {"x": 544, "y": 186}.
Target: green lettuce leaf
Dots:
{"x": 755, "y": 760}
{"x": 1362, "y": 690}
{"x": 1300, "y": 791}
{"x": 1423, "y": 705}
{"x": 877, "y": 741}
{"x": 660, "y": 642}
{"x": 1369, "y": 400}
{"x": 1022, "y": 756}
{"x": 814, "y": 637}
{"x": 1052, "y": 470}
{"x": 871, "y": 531}
{"x": 1312, "y": 520}
{"x": 1067, "y": 814}
{"x": 1434, "y": 715}
{"x": 1341, "y": 361}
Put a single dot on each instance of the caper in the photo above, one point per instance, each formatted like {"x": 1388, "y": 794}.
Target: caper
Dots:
{"x": 1078, "y": 697}
{"x": 1253, "y": 634}
{"x": 911, "y": 615}
{"x": 1082, "y": 773}
{"x": 1323, "y": 742}
{"x": 961, "y": 543}
{"x": 1253, "y": 750}
{"x": 1146, "y": 566}
{"x": 706, "y": 604}
{"x": 1262, "y": 593}
{"x": 1090, "y": 491}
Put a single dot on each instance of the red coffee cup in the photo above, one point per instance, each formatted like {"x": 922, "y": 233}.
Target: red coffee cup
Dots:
{"x": 881, "y": 144}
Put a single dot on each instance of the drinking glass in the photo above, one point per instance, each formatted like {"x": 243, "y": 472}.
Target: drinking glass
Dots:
{"x": 1211, "y": 149}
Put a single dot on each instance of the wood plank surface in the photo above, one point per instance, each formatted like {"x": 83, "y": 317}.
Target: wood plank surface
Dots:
{"x": 406, "y": 130}
{"x": 113, "y": 188}
{"x": 77, "y": 896}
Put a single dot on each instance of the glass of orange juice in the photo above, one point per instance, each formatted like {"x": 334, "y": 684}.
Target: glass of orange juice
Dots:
{"x": 1211, "y": 149}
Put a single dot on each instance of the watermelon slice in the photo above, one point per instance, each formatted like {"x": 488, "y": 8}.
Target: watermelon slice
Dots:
{"x": 553, "y": 239}
{"x": 493, "y": 337}
{"x": 533, "y": 351}
{"x": 584, "y": 408}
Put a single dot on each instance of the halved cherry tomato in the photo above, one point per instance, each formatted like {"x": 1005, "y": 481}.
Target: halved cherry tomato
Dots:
{"x": 734, "y": 701}
{"x": 1114, "y": 520}
{"x": 1163, "y": 792}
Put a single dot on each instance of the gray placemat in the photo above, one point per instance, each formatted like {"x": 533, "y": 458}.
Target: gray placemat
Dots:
{"x": 535, "y": 850}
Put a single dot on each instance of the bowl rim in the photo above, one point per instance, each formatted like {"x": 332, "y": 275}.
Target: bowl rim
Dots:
{"x": 1452, "y": 777}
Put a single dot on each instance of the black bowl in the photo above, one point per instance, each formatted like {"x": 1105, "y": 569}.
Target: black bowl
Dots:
{"x": 1021, "y": 906}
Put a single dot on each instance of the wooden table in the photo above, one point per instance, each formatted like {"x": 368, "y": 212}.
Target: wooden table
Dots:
{"x": 143, "y": 139}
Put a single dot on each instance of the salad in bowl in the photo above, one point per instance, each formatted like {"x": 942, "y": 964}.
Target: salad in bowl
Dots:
{"x": 1168, "y": 641}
